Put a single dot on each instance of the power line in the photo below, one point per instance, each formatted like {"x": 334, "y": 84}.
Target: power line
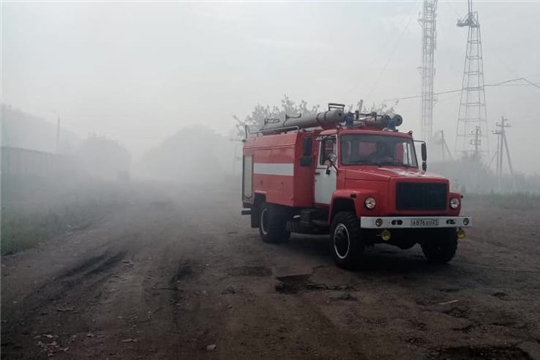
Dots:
{"x": 519, "y": 84}
{"x": 454, "y": 10}
{"x": 419, "y": 96}
{"x": 528, "y": 119}
{"x": 511, "y": 69}
{"x": 447, "y": 98}
{"x": 529, "y": 83}
{"x": 394, "y": 50}
{"x": 517, "y": 79}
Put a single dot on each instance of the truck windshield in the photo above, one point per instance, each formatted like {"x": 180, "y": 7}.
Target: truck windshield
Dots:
{"x": 377, "y": 150}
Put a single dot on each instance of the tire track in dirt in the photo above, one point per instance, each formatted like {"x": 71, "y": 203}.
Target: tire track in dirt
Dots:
{"x": 169, "y": 277}
{"x": 135, "y": 311}
{"x": 258, "y": 321}
{"x": 59, "y": 298}
{"x": 69, "y": 305}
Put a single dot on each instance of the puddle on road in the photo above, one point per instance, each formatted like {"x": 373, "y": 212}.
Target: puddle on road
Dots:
{"x": 295, "y": 283}
{"x": 182, "y": 271}
{"x": 95, "y": 265}
{"x": 292, "y": 284}
{"x": 259, "y": 271}
{"x": 457, "y": 312}
{"x": 481, "y": 353}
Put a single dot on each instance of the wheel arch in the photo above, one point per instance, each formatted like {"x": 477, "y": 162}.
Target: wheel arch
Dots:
{"x": 341, "y": 204}
{"x": 257, "y": 201}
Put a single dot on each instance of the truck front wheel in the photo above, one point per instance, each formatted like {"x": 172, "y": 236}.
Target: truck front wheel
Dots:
{"x": 272, "y": 224}
{"x": 443, "y": 249}
{"x": 347, "y": 243}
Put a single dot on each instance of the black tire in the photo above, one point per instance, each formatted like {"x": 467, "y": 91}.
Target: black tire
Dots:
{"x": 272, "y": 224}
{"x": 347, "y": 243}
{"x": 443, "y": 249}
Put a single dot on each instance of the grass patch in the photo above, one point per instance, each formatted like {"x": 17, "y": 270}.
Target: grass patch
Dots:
{"x": 518, "y": 200}
{"x": 21, "y": 231}
{"x": 37, "y": 209}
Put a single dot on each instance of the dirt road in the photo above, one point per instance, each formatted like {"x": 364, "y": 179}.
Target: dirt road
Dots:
{"x": 178, "y": 274}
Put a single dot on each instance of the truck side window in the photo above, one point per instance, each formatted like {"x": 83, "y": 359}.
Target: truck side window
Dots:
{"x": 327, "y": 146}
{"x": 307, "y": 152}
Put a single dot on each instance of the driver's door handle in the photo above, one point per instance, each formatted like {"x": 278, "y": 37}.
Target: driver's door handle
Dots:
{"x": 317, "y": 173}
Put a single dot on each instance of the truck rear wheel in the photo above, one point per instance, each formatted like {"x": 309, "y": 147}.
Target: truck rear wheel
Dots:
{"x": 443, "y": 249}
{"x": 347, "y": 244}
{"x": 272, "y": 224}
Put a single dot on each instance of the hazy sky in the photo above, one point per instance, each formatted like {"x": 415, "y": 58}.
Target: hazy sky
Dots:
{"x": 138, "y": 72}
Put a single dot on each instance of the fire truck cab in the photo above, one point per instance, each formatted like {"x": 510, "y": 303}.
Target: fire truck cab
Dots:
{"x": 353, "y": 176}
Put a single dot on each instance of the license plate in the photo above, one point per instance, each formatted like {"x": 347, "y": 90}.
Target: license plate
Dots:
{"x": 424, "y": 222}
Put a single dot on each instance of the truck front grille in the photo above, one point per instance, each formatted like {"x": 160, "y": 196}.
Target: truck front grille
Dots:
{"x": 421, "y": 196}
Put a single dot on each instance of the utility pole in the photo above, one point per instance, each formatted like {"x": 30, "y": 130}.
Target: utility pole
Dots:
{"x": 502, "y": 146}
{"x": 444, "y": 147}
{"x": 58, "y": 135}
{"x": 476, "y": 142}
{"x": 505, "y": 142}
{"x": 498, "y": 153}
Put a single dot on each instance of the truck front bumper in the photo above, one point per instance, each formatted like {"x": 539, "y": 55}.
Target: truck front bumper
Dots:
{"x": 415, "y": 222}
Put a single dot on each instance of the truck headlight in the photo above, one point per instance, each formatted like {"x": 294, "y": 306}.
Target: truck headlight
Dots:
{"x": 454, "y": 203}
{"x": 370, "y": 202}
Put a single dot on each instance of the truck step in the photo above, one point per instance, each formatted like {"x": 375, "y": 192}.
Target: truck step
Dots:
{"x": 316, "y": 227}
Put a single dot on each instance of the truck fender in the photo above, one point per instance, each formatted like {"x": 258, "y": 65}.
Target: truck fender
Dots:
{"x": 258, "y": 199}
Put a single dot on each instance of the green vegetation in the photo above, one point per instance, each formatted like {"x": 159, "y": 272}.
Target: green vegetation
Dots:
{"x": 23, "y": 230}
{"x": 516, "y": 200}
{"x": 471, "y": 176}
{"x": 36, "y": 209}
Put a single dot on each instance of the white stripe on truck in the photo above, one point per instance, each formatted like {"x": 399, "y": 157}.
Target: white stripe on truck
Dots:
{"x": 282, "y": 169}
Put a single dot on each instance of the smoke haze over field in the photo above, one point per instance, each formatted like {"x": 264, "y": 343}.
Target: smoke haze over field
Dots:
{"x": 132, "y": 205}
{"x": 140, "y": 72}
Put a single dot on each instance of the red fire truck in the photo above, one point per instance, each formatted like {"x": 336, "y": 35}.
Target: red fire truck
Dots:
{"x": 352, "y": 175}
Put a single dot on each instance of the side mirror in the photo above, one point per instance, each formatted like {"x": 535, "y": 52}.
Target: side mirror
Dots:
{"x": 423, "y": 151}
{"x": 424, "y": 156}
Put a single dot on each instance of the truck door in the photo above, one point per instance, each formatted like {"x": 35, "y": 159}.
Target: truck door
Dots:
{"x": 325, "y": 181}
